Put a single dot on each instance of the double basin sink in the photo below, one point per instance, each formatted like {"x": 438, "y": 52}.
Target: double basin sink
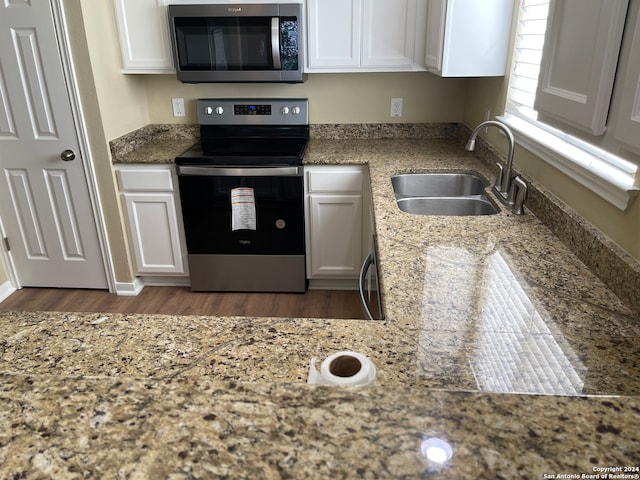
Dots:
{"x": 450, "y": 194}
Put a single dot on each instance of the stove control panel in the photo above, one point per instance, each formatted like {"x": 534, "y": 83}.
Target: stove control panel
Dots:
{"x": 242, "y": 111}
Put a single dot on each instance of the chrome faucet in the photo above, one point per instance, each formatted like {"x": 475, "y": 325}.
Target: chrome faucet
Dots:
{"x": 510, "y": 191}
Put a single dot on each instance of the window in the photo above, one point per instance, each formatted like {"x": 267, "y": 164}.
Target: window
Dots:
{"x": 589, "y": 160}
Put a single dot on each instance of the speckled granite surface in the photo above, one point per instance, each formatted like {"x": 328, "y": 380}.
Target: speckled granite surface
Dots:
{"x": 480, "y": 311}
{"x": 196, "y": 428}
{"x": 154, "y": 143}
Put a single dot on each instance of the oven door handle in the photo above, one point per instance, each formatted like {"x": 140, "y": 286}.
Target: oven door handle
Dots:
{"x": 238, "y": 171}
{"x": 275, "y": 42}
{"x": 368, "y": 262}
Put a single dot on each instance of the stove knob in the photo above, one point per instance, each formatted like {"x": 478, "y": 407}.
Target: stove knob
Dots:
{"x": 208, "y": 110}
{"x": 284, "y": 110}
{"x": 219, "y": 110}
{"x": 295, "y": 110}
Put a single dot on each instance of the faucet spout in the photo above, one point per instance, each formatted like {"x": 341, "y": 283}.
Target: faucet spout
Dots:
{"x": 503, "y": 184}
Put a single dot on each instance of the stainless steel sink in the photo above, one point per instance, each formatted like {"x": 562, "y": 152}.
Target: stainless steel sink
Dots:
{"x": 450, "y": 206}
{"x": 437, "y": 185}
{"x": 451, "y": 194}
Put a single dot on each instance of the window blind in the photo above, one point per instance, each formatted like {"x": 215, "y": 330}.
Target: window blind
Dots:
{"x": 532, "y": 24}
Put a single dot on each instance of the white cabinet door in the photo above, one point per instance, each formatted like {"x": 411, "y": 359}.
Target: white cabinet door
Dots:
{"x": 468, "y": 38}
{"x": 336, "y": 235}
{"x": 155, "y": 227}
{"x": 579, "y": 62}
{"x": 143, "y": 29}
{"x": 436, "y": 17}
{"x": 389, "y": 33}
{"x": 334, "y": 221}
{"x": 153, "y": 230}
{"x": 333, "y": 33}
{"x": 365, "y": 35}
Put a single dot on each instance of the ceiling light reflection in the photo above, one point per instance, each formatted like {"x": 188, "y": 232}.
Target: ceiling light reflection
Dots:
{"x": 436, "y": 450}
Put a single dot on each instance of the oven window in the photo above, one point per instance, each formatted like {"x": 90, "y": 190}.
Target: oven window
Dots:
{"x": 208, "y": 216}
{"x": 224, "y": 43}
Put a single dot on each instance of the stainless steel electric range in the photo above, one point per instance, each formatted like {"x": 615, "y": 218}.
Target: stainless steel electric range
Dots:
{"x": 241, "y": 194}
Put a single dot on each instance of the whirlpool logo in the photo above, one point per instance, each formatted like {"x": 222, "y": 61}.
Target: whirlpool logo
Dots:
{"x": 245, "y": 242}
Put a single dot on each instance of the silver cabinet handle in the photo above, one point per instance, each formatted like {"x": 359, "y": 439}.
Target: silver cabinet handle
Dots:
{"x": 68, "y": 155}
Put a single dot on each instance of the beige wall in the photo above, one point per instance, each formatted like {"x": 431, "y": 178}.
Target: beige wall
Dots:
{"x": 333, "y": 98}
{"x": 121, "y": 98}
{"x": 113, "y": 104}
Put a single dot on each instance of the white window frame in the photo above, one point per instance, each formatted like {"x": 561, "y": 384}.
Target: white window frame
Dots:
{"x": 605, "y": 174}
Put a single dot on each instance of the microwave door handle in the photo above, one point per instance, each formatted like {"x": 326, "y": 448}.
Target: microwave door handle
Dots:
{"x": 275, "y": 42}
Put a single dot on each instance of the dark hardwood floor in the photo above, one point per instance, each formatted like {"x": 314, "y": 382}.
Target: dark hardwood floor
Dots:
{"x": 182, "y": 301}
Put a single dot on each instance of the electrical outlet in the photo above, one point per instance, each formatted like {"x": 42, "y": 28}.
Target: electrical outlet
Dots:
{"x": 178, "y": 107}
{"x": 396, "y": 107}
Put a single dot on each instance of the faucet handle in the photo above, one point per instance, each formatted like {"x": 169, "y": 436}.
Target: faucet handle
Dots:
{"x": 498, "y": 183}
{"x": 518, "y": 195}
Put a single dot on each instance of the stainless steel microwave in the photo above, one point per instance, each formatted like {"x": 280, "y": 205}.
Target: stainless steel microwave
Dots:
{"x": 237, "y": 42}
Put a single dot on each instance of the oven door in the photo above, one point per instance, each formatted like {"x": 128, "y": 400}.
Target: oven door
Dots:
{"x": 244, "y": 227}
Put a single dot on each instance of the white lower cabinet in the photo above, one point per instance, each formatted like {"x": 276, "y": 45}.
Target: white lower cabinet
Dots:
{"x": 153, "y": 218}
{"x": 334, "y": 203}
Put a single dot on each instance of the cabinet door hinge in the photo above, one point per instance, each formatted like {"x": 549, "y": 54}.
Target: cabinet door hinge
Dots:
{"x": 6, "y": 244}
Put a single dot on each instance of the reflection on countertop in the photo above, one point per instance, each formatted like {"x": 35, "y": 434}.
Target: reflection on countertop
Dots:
{"x": 512, "y": 347}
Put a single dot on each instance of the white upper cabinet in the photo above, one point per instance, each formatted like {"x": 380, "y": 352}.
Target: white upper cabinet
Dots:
{"x": 333, "y": 34}
{"x": 579, "y": 60}
{"x": 143, "y": 29}
{"x": 389, "y": 34}
{"x": 468, "y": 38}
{"x": 365, "y": 35}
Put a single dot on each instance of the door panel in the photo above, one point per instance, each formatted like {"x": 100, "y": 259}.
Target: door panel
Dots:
{"x": 29, "y": 63}
{"x": 26, "y": 215}
{"x": 66, "y": 224}
{"x": 44, "y": 201}
{"x": 7, "y": 122}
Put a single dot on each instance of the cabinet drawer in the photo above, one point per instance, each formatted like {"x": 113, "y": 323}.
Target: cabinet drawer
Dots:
{"x": 335, "y": 181}
{"x": 145, "y": 179}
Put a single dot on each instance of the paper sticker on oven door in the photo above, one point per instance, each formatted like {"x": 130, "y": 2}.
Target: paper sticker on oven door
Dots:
{"x": 243, "y": 209}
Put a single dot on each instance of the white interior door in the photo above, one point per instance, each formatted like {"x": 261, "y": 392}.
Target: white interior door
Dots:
{"x": 44, "y": 196}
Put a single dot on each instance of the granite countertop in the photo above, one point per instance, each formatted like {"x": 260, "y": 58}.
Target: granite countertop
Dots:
{"x": 497, "y": 339}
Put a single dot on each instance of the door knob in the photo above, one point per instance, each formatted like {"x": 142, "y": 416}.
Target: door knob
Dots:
{"x": 68, "y": 155}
